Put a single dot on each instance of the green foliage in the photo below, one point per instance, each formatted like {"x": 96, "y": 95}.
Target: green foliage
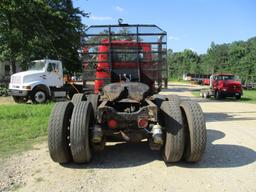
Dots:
{"x": 4, "y": 91}
{"x": 37, "y": 29}
{"x": 21, "y": 125}
{"x": 183, "y": 62}
{"x": 238, "y": 58}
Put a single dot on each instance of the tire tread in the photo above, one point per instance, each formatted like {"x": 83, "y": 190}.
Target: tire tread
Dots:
{"x": 58, "y": 132}
{"x": 196, "y": 131}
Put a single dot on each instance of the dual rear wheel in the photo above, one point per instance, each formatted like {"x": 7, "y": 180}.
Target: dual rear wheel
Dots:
{"x": 185, "y": 135}
{"x": 68, "y": 132}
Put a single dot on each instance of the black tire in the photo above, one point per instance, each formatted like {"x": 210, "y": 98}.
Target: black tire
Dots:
{"x": 218, "y": 95}
{"x": 82, "y": 119}
{"x": 195, "y": 129}
{"x": 58, "y": 132}
{"x": 18, "y": 99}
{"x": 174, "y": 98}
{"x": 174, "y": 131}
{"x": 238, "y": 97}
{"x": 94, "y": 99}
{"x": 78, "y": 97}
{"x": 39, "y": 96}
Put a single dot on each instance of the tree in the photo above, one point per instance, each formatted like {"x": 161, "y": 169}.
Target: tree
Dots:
{"x": 183, "y": 62}
{"x": 238, "y": 58}
{"x": 38, "y": 29}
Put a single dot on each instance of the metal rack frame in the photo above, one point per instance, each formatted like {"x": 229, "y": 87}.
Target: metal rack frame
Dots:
{"x": 109, "y": 34}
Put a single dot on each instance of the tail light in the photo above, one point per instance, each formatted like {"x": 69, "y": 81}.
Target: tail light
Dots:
{"x": 142, "y": 123}
{"x": 112, "y": 123}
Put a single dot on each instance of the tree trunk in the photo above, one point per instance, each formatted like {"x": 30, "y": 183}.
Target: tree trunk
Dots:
{"x": 12, "y": 66}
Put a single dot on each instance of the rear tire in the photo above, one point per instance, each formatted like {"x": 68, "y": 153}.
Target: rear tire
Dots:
{"x": 238, "y": 97}
{"x": 174, "y": 98}
{"x": 174, "y": 136}
{"x": 94, "y": 99}
{"x": 195, "y": 129}
{"x": 82, "y": 119}
{"x": 218, "y": 95}
{"x": 78, "y": 97}
{"x": 58, "y": 132}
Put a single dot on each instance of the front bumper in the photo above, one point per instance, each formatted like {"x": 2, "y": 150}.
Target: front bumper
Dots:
{"x": 20, "y": 93}
{"x": 231, "y": 94}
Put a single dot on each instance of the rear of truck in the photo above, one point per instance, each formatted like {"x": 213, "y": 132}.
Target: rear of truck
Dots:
{"x": 125, "y": 68}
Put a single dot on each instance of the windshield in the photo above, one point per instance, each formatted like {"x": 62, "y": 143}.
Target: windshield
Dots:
{"x": 36, "y": 65}
{"x": 227, "y": 77}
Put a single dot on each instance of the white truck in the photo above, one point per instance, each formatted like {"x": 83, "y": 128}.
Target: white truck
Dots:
{"x": 41, "y": 82}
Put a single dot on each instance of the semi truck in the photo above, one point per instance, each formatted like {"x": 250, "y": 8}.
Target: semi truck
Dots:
{"x": 222, "y": 86}
{"x": 128, "y": 65}
{"x": 42, "y": 81}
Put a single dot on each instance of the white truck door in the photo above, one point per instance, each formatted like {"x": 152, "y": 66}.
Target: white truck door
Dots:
{"x": 54, "y": 74}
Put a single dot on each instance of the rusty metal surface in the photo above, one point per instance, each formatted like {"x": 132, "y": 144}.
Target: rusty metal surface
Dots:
{"x": 132, "y": 90}
{"x": 124, "y": 119}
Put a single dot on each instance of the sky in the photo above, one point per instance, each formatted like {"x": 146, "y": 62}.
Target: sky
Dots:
{"x": 190, "y": 24}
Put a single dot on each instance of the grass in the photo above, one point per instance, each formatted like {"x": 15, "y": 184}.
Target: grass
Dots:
{"x": 179, "y": 81}
{"x": 21, "y": 126}
{"x": 249, "y": 96}
{"x": 196, "y": 93}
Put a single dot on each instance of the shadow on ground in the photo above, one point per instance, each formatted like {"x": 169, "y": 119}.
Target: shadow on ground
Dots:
{"x": 227, "y": 116}
{"x": 223, "y": 155}
{"x": 131, "y": 155}
{"x": 121, "y": 155}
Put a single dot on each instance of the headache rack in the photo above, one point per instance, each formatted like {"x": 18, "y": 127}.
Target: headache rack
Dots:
{"x": 123, "y": 48}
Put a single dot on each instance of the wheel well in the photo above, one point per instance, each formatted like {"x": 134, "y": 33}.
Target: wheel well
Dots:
{"x": 43, "y": 88}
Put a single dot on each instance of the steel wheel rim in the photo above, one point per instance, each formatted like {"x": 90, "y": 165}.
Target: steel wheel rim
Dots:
{"x": 40, "y": 97}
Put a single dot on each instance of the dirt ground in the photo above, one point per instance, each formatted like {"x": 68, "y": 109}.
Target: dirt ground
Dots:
{"x": 228, "y": 164}
{"x": 6, "y": 100}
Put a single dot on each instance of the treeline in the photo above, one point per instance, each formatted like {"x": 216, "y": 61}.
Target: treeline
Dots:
{"x": 38, "y": 29}
{"x": 238, "y": 58}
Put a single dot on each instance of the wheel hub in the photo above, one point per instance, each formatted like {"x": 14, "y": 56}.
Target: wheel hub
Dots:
{"x": 40, "y": 97}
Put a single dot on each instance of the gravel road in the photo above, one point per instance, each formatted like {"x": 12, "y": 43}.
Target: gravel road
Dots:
{"x": 228, "y": 165}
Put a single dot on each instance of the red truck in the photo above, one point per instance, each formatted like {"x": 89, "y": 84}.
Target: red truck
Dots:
{"x": 223, "y": 85}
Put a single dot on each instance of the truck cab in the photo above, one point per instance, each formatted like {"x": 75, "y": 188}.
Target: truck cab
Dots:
{"x": 37, "y": 82}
